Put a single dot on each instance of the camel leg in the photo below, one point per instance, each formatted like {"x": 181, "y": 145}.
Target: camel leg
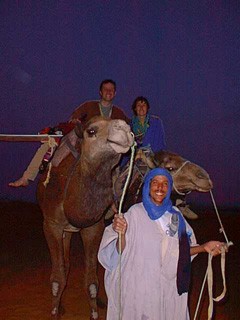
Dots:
{"x": 67, "y": 236}
{"x": 91, "y": 238}
{"x": 54, "y": 236}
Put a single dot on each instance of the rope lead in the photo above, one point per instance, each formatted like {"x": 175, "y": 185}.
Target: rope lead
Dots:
{"x": 119, "y": 234}
{"x": 209, "y": 272}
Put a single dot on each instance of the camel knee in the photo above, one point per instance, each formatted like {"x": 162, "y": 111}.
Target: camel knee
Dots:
{"x": 92, "y": 293}
{"x": 55, "y": 288}
{"x": 93, "y": 290}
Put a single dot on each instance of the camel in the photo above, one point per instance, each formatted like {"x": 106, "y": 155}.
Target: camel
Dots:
{"x": 187, "y": 176}
{"x": 80, "y": 192}
{"x": 76, "y": 197}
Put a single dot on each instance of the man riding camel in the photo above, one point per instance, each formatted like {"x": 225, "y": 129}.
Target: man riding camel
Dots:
{"x": 85, "y": 111}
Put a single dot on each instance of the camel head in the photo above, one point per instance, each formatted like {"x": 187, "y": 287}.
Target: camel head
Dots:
{"x": 187, "y": 176}
{"x": 105, "y": 138}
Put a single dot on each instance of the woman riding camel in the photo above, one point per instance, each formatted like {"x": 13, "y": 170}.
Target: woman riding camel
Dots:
{"x": 150, "y": 136}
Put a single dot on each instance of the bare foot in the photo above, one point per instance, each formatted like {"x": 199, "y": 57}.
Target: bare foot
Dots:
{"x": 22, "y": 182}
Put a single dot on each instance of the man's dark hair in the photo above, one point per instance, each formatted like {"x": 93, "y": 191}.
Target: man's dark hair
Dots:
{"x": 108, "y": 81}
{"x": 142, "y": 99}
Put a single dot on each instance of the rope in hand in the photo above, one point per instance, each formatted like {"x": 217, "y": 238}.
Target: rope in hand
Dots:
{"x": 119, "y": 234}
{"x": 209, "y": 271}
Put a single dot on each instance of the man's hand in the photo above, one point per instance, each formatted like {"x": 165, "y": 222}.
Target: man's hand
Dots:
{"x": 119, "y": 224}
{"x": 215, "y": 247}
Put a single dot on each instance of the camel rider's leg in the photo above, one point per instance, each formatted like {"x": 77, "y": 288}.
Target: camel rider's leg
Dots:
{"x": 33, "y": 168}
{"x": 184, "y": 208}
{"x": 67, "y": 145}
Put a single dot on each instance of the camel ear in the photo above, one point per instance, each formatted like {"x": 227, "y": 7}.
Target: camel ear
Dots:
{"x": 79, "y": 129}
{"x": 161, "y": 158}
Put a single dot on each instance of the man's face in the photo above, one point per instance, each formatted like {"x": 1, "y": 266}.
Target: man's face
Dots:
{"x": 107, "y": 92}
{"x": 158, "y": 189}
{"x": 141, "y": 109}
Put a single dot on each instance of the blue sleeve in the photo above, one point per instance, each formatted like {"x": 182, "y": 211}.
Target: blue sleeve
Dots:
{"x": 155, "y": 135}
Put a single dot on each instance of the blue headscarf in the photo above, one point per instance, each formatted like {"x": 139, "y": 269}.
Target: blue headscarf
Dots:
{"x": 155, "y": 212}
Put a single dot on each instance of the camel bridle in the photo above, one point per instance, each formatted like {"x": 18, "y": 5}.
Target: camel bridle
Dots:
{"x": 174, "y": 174}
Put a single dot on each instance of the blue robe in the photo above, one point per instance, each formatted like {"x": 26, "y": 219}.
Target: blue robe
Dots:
{"x": 154, "y": 137}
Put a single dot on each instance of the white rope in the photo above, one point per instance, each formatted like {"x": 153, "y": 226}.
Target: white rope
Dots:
{"x": 209, "y": 271}
{"x": 119, "y": 234}
{"x": 52, "y": 144}
{"x": 179, "y": 169}
{"x": 200, "y": 297}
{"x": 174, "y": 174}
{"x": 210, "y": 283}
{"x": 219, "y": 219}
{"x": 128, "y": 178}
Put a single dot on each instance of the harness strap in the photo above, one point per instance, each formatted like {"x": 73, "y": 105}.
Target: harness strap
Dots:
{"x": 174, "y": 174}
{"x": 179, "y": 169}
{"x": 71, "y": 148}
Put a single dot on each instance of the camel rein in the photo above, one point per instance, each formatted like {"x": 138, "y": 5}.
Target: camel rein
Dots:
{"x": 209, "y": 271}
{"x": 119, "y": 234}
{"x": 174, "y": 174}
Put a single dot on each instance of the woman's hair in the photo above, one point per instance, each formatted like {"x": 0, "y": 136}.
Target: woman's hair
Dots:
{"x": 142, "y": 99}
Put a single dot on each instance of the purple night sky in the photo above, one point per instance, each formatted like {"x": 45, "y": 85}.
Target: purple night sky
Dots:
{"x": 182, "y": 55}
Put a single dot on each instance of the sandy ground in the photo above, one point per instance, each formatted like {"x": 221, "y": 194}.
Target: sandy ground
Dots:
{"x": 25, "y": 268}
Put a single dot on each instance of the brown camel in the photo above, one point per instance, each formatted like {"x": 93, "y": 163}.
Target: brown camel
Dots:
{"x": 75, "y": 199}
{"x": 187, "y": 176}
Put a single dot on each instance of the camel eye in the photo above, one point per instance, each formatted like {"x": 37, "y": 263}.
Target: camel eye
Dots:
{"x": 170, "y": 169}
{"x": 91, "y": 132}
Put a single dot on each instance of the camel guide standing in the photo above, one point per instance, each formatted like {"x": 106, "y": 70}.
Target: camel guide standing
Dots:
{"x": 85, "y": 111}
{"x": 157, "y": 244}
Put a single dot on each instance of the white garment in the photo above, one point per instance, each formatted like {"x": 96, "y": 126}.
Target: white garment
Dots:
{"x": 148, "y": 270}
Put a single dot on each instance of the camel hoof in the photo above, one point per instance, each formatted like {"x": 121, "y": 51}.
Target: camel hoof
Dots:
{"x": 94, "y": 315}
{"x": 59, "y": 314}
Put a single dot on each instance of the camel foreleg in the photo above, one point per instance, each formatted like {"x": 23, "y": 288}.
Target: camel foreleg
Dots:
{"x": 91, "y": 237}
{"x": 58, "y": 243}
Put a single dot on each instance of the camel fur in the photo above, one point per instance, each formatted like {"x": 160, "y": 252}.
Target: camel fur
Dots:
{"x": 75, "y": 199}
